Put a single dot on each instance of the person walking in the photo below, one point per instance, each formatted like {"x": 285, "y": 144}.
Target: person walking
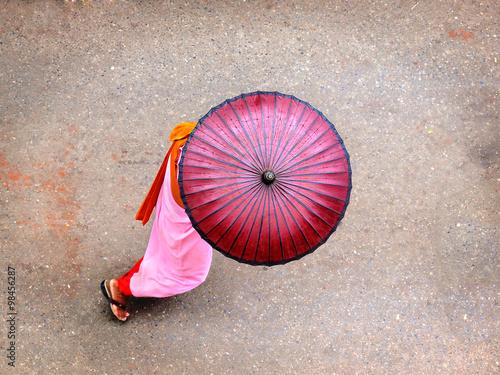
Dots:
{"x": 177, "y": 259}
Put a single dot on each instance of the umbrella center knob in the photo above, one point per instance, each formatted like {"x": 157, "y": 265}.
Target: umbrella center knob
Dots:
{"x": 268, "y": 177}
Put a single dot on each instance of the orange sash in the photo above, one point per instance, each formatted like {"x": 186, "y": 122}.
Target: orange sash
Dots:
{"x": 179, "y": 137}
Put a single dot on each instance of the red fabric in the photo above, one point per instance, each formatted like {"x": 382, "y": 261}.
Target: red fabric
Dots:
{"x": 124, "y": 281}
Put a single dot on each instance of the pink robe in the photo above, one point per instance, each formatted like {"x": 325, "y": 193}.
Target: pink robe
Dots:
{"x": 177, "y": 259}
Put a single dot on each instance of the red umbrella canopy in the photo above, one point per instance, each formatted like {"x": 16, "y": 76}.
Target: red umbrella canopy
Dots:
{"x": 265, "y": 178}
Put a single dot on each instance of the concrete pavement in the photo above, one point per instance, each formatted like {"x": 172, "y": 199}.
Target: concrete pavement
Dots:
{"x": 409, "y": 283}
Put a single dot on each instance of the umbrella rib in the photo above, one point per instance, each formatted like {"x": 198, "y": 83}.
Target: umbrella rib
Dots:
{"x": 272, "y": 133}
{"x": 269, "y": 220}
{"x": 307, "y": 221}
{"x": 221, "y": 161}
{"x": 314, "y": 165}
{"x": 285, "y": 180}
{"x": 314, "y": 213}
{"x": 246, "y": 133}
{"x": 229, "y": 227}
{"x": 268, "y": 203}
{"x": 214, "y": 188}
{"x": 283, "y": 162}
{"x": 282, "y": 132}
{"x": 231, "y": 130}
{"x": 288, "y": 228}
{"x": 266, "y": 164}
{"x": 215, "y": 178}
{"x": 255, "y": 130}
{"x": 277, "y": 161}
{"x": 277, "y": 225}
{"x": 218, "y": 169}
{"x": 288, "y": 166}
{"x": 251, "y": 229}
{"x": 234, "y": 221}
{"x": 221, "y": 197}
{"x": 226, "y": 153}
{"x": 281, "y": 197}
{"x": 312, "y": 174}
{"x": 261, "y": 223}
{"x": 218, "y": 135}
{"x": 246, "y": 219}
{"x": 317, "y": 192}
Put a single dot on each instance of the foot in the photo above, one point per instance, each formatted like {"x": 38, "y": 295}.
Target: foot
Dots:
{"x": 119, "y": 297}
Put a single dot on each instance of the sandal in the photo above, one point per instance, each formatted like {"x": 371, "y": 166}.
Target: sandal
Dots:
{"x": 107, "y": 293}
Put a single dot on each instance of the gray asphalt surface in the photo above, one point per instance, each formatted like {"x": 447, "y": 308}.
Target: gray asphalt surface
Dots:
{"x": 409, "y": 283}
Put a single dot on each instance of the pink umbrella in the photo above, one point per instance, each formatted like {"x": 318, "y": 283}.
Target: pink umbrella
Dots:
{"x": 265, "y": 178}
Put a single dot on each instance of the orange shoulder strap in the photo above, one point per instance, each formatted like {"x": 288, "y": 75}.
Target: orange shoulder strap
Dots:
{"x": 179, "y": 138}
